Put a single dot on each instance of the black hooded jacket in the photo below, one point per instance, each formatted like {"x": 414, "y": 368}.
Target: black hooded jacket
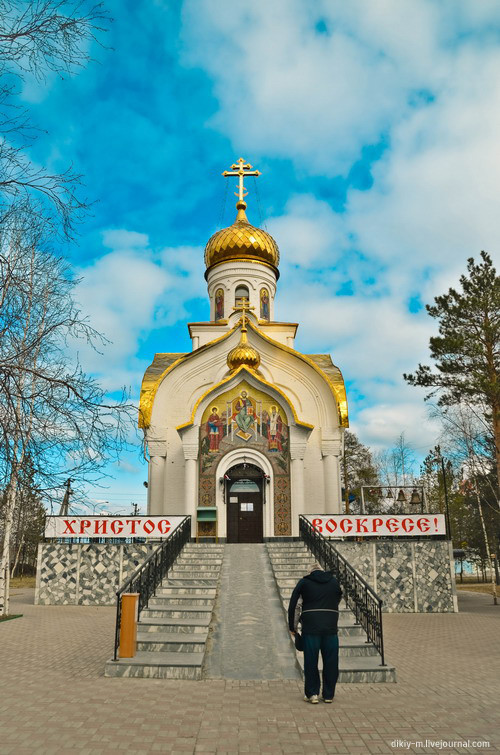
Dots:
{"x": 321, "y": 596}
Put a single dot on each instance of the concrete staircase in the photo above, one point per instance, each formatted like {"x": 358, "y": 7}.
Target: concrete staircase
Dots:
{"x": 358, "y": 659}
{"x": 173, "y": 629}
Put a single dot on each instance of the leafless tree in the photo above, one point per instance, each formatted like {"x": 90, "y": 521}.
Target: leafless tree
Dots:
{"x": 469, "y": 442}
{"x": 38, "y": 38}
{"x": 51, "y": 412}
{"x": 396, "y": 465}
{"x": 53, "y": 416}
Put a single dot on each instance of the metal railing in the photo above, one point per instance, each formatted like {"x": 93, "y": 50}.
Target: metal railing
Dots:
{"x": 147, "y": 577}
{"x": 359, "y": 596}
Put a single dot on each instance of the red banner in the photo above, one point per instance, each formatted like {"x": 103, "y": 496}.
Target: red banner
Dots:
{"x": 373, "y": 525}
{"x": 111, "y": 526}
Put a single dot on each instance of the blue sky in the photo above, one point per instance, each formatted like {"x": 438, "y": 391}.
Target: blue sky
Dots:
{"x": 375, "y": 126}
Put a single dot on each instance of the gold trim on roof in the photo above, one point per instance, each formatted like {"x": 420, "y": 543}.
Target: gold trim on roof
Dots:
{"x": 259, "y": 379}
{"x": 149, "y": 387}
{"x": 336, "y": 386}
{"x": 335, "y": 383}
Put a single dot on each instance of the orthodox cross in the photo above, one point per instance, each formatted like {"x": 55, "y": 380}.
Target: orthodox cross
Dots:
{"x": 241, "y": 169}
{"x": 243, "y": 307}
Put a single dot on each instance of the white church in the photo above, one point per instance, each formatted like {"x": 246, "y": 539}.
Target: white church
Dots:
{"x": 243, "y": 433}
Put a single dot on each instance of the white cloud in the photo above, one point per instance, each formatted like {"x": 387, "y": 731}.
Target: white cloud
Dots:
{"x": 120, "y": 238}
{"x": 286, "y": 90}
{"x": 379, "y": 426}
{"x": 309, "y": 233}
{"x": 424, "y": 78}
{"x": 129, "y": 292}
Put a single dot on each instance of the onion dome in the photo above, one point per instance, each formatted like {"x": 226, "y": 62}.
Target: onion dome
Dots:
{"x": 242, "y": 241}
{"x": 243, "y": 354}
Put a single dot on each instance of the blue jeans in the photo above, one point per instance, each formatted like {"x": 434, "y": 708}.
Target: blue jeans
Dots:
{"x": 329, "y": 646}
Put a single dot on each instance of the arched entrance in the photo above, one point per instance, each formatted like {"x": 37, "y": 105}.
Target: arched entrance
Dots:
{"x": 265, "y": 477}
{"x": 244, "y": 494}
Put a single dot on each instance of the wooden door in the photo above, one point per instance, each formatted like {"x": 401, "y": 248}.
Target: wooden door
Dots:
{"x": 244, "y": 518}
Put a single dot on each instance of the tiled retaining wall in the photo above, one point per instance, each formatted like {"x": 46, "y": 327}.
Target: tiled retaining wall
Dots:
{"x": 410, "y": 576}
{"x": 85, "y": 573}
{"x": 414, "y": 576}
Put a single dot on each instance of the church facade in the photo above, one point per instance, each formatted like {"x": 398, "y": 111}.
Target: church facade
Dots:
{"x": 244, "y": 432}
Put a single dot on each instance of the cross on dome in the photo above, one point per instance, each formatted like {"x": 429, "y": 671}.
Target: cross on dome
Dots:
{"x": 241, "y": 169}
{"x": 243, "y": 307}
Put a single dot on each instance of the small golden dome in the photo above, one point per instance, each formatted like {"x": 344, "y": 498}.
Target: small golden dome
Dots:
{"x": 242, "y": 241}
{"x": 243, "y": 354}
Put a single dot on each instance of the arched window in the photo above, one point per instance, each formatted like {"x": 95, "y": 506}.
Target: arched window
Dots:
{"x": 240, "y": 294}
{"x": 244, "y": 486}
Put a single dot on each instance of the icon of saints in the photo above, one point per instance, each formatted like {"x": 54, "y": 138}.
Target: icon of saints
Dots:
{"x": 219, "y": 304}
{"x": 264, "y": 304}
{"x": 275, "y": 430}
{"x": 243, "y": 415}
{"x": 214, "y": 429}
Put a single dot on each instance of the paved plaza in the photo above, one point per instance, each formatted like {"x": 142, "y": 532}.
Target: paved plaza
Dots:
{"x": 55, "y": 699}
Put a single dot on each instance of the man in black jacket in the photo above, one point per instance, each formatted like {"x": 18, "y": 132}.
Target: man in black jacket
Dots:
{"x": 321, "y": 596}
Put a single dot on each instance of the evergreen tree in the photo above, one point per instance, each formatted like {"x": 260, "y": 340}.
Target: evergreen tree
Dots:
{"x": 467, "y": 350}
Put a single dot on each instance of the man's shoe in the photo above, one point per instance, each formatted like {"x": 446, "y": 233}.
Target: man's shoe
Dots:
{"x": 325, "y": 700}
{"x": 314, "y": 699}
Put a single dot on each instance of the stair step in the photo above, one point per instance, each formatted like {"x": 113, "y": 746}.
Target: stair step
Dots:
{"x": 186, "y": 591}
{"x": 358, "y": 659}
{"x": 177, "y": 612}
{"x": 363, "y": 670}
{"x": 163, "y": 603}
{"x": 211, "y": 574}
{"x": 172, "y": 624}
{"x": 182, "y": 600}
{"x": 289, "y": 550}
{"x": 187, "y": 572}
{"x": 185, "y": 582}
{"x": 171, "y": 642}
{"x": 353, "y": 646}
{"x": 290, "y": 573}
{"x": 173, "y": 629}
{"x": 151, "y": 665}
{"x": 179, "y": 570}
{"x": 201, "y": 554}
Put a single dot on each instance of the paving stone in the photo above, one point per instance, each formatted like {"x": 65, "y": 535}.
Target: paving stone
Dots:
{"x": 447, "y": 689}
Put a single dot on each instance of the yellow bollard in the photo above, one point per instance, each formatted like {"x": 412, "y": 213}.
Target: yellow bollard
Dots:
{"x": 128, "y": 626}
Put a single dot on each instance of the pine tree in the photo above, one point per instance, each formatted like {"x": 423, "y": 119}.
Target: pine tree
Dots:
{"x": 467, "y": 350}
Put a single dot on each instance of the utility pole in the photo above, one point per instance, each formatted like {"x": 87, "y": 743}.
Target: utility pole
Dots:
{"x": 135, "y": 509}
{"x": 445, "y": 489}
{"x": 64, "y": 510}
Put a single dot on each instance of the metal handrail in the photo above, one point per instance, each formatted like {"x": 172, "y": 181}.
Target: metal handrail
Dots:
{"x": 148, "y": 576}
{"x": 358, "y": 594}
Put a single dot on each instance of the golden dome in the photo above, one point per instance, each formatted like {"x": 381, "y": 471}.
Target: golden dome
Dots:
{"x": 242, "y": 241}
{"x": 243, "y": 354}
